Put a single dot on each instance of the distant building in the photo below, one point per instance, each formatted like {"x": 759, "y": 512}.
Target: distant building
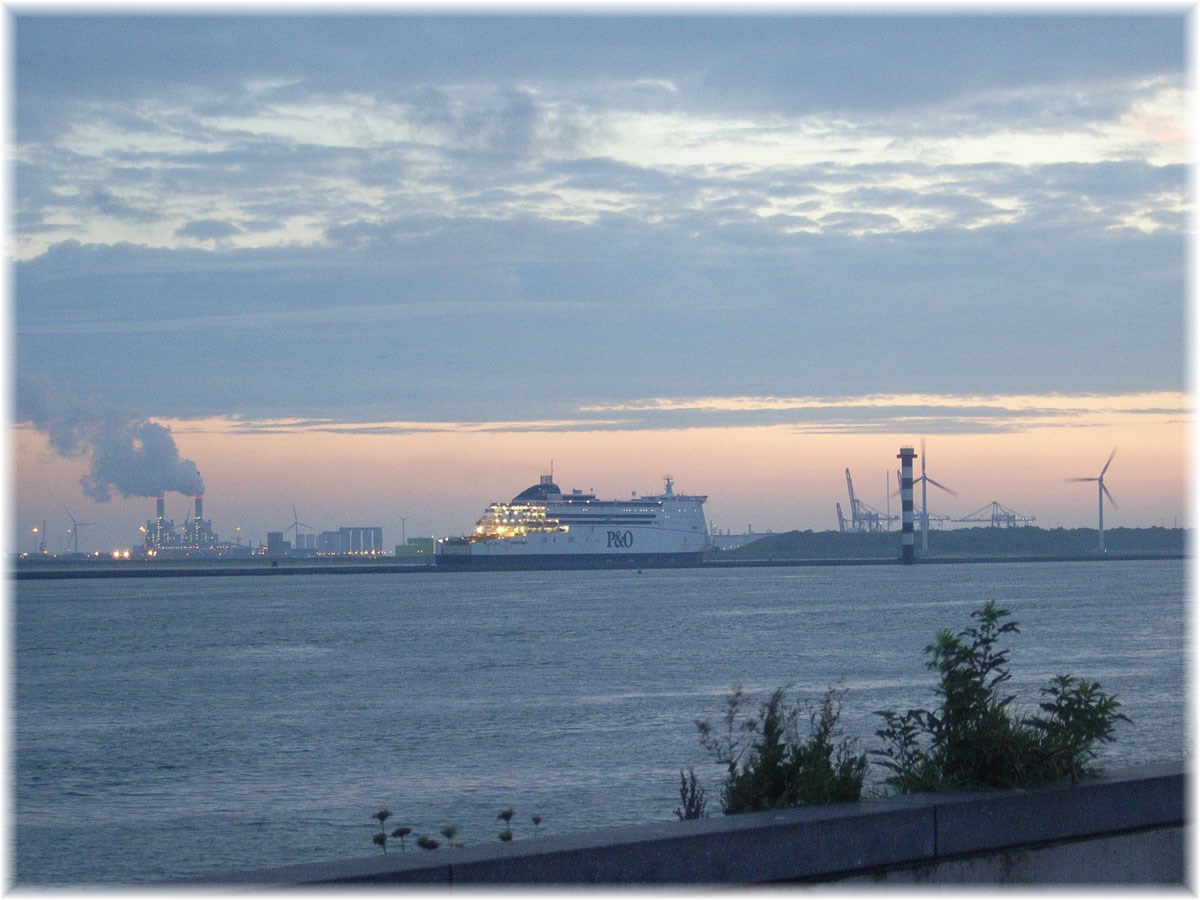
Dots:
{"x": 195, "y": 538}
{"x": 197, "y": 532}
{"x": 159, "y": 531}
{"x": 361, "y": 540}
{"x": 276, "y": 545}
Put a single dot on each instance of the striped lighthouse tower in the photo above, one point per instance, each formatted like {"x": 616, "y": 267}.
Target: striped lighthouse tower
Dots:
{"x": 907, "y": 454}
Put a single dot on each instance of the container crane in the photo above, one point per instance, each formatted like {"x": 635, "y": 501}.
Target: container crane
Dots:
{"x": 997, "y": 515}
{"x": 862, "y": 516}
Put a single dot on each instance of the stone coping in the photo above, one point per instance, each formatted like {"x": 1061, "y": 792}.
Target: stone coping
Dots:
{"x": 804, "y": 844}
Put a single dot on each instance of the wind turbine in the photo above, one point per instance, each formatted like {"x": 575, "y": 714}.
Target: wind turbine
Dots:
{"x": 925, "y": 482}
{"x": 296, "y": 524}
{"x": 75, "y": 526}
{"x": 1101, "y": 491}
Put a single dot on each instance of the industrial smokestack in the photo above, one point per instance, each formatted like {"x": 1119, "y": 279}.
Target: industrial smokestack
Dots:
{"x": 199, "y": 507}
{"x": 161, "y": 506}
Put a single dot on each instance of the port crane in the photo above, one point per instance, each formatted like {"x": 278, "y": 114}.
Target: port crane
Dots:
{"x": 862, "y": 516}
{"x": 998, "y": 515}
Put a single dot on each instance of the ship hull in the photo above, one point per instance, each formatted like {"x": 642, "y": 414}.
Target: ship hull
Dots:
{"x": 545, "y": 561}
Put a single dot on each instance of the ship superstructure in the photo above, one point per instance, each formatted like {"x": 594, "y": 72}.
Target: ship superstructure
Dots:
{"x": 542, "y": 527}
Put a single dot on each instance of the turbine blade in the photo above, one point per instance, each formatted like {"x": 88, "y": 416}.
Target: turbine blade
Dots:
{"x": 1109, "y": 463}
{"x": 1108, "y": 494}
{"x": 1081, "y": 479}
{"x": 950, "y": 491}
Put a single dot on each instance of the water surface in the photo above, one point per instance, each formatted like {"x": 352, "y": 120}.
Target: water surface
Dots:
{"x": 185, "y": 726}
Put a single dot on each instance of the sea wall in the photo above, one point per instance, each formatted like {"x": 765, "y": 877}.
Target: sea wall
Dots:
{"x": 1127, "y": 828}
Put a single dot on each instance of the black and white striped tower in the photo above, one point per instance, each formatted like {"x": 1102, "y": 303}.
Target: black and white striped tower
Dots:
{"x": 906, "y": 457}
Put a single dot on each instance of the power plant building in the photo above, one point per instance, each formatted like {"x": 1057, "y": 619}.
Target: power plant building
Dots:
{"x": 354, "y": 540}
{"x": 195, "y": 538}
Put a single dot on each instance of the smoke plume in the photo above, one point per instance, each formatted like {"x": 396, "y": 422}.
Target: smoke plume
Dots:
{"x": 129, "y": 454}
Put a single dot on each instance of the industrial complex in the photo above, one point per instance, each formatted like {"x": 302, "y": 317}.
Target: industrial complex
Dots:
{"x": 196, "y": 539}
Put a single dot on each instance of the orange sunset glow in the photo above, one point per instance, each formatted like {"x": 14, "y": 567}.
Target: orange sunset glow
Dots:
{"x": 440, "y": 476}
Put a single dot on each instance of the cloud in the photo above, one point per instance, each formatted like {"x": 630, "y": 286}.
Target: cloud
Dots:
{"x": 314, "y": 162}
{"x": 904, "y": 413}
{"x": 870, "y": 414}
{"x": 329, "y": 426}
{"x": 107, "y": 204}
{"x": 208, "y": 230}
{"x": 457, "y": 316}
{"x": 500, "y": 229}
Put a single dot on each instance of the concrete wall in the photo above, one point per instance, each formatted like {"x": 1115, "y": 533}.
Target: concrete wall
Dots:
{"x": 1127, "y": 828}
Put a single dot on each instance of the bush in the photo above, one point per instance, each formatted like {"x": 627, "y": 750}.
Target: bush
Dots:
{"x": 974, "y": 739}
{"x": 770, "y": 767}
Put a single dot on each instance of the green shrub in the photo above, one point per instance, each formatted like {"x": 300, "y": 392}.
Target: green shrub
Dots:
{"x": 974, "y": 738}
{"x": 768, "y": 765}
{"x": 1080, "y": 716}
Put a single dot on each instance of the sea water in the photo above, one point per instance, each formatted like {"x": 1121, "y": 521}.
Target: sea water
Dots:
{"x": 173, "y": 727}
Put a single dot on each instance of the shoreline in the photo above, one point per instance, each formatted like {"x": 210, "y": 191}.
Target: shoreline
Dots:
{"x": 71, "y": 569}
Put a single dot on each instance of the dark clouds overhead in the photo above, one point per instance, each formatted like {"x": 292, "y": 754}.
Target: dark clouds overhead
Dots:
{"x": 517, "y": 216}
{"x": 794, "y": 62}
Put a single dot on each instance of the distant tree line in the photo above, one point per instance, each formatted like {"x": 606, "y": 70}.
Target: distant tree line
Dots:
{"x": 1024, "y": 540}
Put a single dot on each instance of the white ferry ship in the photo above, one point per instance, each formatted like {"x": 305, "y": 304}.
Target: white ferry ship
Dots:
{"x": 543, "y": 528}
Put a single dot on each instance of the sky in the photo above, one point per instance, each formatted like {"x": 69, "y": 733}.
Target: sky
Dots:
{"x": 385, "y": 268}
